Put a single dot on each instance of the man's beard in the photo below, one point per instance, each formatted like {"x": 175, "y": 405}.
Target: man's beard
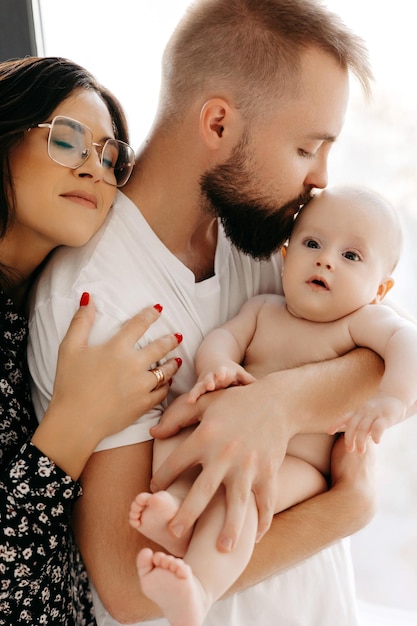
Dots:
{"x": 255, "y": 225}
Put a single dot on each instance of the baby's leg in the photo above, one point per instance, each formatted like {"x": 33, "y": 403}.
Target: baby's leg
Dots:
{"x": 169, "y": 582}
{"x": 185, "y": 594}
{"x": 298, "y": 481}
{"x": 216, "y": 570}
{"x": 150, "y": 513}
{"x": 185, "y": 589}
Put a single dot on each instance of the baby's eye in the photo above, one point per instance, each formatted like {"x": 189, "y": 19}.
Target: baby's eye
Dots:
{"x": 351, "y": 256}
{"x": 311, "y": 243}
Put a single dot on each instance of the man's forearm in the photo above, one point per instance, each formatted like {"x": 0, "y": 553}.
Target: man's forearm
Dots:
{"x": 297, "y": 534}
{"x": 317, "y": 394}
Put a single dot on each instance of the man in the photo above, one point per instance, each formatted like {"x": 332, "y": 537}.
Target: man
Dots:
{"x": 253, "y": 96}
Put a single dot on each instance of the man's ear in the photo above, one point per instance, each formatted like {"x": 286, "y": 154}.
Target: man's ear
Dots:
{"x": 383, "y": 289}
{"x": 217, "y": 122}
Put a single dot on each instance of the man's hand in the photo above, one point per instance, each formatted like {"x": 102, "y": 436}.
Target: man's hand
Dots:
{"x": 238, "y": 444}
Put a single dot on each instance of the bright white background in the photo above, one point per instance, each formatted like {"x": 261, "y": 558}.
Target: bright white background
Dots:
{"x": 121, "y": 43}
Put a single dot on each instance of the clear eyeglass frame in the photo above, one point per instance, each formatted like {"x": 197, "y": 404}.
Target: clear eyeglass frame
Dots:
{"x": 70, "y": 144}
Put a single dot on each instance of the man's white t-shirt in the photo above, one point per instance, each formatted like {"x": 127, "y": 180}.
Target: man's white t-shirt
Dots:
{"x": 125, "y": 267}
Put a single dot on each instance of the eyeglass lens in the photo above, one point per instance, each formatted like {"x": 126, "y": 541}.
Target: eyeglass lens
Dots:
{"x": 70, "y": 144}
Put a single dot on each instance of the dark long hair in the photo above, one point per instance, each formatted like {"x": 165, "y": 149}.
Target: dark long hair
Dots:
{"x": 30, "y": 90}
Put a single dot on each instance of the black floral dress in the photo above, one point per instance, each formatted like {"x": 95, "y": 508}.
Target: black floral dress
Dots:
{"x": 42, "y": 577}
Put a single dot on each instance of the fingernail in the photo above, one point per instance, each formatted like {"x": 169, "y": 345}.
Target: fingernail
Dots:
{"x": 177, "y": 530}
{"x": 179, "y": 361}
{"x": 179, "y": 337}
{"x": 85, "y": 299}
{"x": 226, "y": 544}
{"x": 158, "y": 307}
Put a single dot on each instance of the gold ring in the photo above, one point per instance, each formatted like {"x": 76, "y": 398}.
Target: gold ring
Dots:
{"x": 160, "y": 377}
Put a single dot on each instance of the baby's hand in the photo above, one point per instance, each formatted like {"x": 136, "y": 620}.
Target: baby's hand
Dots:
{"x": 371, "y": 419}
{"x": 225, "y": 376}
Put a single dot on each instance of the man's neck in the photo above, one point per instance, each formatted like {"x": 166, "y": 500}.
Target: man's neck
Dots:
{"x": 182, "y": 227}
{"x": 200, "y": 253}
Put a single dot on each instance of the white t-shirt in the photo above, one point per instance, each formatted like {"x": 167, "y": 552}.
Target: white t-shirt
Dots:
{"x": 317, "y": 592}
{"x": 126, "y": 267}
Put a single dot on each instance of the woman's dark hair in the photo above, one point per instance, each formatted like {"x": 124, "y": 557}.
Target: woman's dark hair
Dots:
{"x": 30, "y": 90}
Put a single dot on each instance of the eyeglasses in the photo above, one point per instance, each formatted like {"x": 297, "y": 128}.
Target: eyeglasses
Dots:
{"x": 70, "y": 144}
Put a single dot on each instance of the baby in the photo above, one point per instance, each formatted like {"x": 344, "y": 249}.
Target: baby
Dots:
{"x": 337, "y": 268}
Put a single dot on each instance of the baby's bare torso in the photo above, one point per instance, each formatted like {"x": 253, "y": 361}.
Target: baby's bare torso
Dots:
{"x": 282, "y": 341}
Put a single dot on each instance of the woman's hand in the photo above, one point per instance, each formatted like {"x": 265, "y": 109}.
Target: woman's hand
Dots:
{"x": 100, "y": 390}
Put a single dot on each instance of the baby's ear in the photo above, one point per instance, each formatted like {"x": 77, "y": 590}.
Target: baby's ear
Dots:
{"x": 383, "y": 289}
{"x": 283, "y": 255}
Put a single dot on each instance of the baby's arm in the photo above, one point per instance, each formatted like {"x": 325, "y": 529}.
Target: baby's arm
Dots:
{"x": 219, "y": 357}
{"x": 226, "y": 373}
{"x": 395, "y": 339}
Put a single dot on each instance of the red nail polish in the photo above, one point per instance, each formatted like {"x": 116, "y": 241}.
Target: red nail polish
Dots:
{"x": 85, "y": 299}
{"x": 179, "y": 337}
{"x": 179, "y": 361}
{"x": 158, "y": 307}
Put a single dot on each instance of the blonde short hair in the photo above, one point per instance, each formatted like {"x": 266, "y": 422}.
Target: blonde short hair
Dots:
{"x": 252, "y": 49}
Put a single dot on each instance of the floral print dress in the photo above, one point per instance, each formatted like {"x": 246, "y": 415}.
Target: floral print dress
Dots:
{"x": 42, "y": 577}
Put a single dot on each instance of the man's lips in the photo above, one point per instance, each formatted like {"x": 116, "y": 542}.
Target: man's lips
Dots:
{"x": 81, "y": 197}
{"x": 318, "y": 283}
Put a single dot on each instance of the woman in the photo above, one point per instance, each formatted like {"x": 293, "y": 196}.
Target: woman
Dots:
{"x": 64, "y": 152}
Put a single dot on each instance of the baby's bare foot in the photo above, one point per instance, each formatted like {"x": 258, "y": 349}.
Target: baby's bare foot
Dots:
{"x": 150, "y": 514}
{"x": 169, "y": 582}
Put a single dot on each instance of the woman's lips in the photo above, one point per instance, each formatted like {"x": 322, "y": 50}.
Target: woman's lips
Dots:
{"x": 81, "y": 197}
